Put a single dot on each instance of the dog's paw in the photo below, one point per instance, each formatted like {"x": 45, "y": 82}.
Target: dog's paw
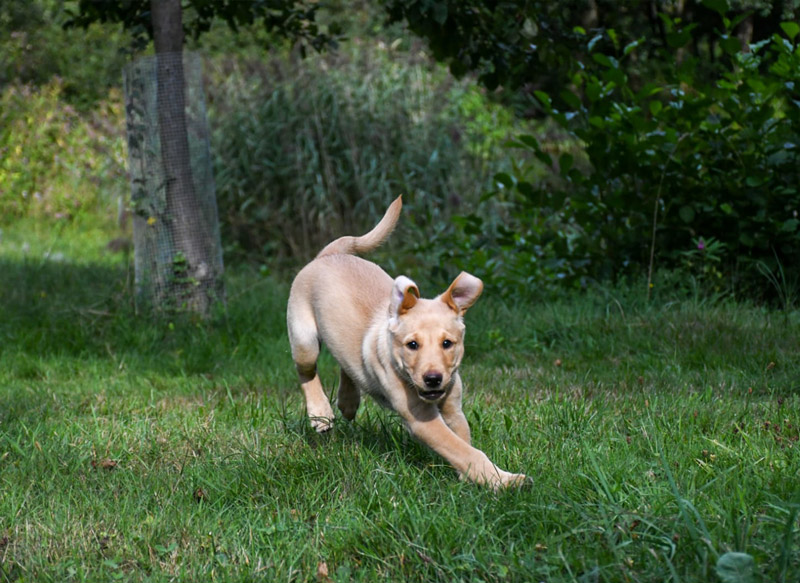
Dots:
{"x": 322, "y": 424}
{"x": 519, "y": 481}
{"x": 509, "y": 480}
{"x": 498, "y": 479}
{"x": 348, "y": 409}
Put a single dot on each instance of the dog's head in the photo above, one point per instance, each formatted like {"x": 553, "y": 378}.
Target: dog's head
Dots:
{"x": 428, "y": 335}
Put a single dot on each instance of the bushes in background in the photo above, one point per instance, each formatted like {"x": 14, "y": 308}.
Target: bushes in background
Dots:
{"x": 655, "y": 159}
{"x": 308, "y": 150}
{"x": 61, "y": 118}
{"x": 672, "y": 165}
{"x": 35, "y": 48}
{"x": 55, "y": 161}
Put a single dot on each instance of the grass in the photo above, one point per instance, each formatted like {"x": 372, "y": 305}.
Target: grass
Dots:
{"x": 660, "y": 436}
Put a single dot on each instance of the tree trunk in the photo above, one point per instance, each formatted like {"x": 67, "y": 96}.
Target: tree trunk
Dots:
{"x": 195, "y": 281}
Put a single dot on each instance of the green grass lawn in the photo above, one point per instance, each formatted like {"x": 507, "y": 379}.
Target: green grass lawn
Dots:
{"x": 660, "y": 437}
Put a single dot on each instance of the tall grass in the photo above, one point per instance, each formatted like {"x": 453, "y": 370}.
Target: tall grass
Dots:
{"x": 308, "y": 150}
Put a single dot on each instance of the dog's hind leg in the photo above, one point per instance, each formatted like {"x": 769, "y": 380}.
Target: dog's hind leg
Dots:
{"x": 349, "y": 398}
{"x": 317, "y": 405}
{"x": 305, "y": 351}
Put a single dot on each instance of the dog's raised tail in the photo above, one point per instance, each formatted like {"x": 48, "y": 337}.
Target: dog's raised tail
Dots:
{"x": 356, "y": 245}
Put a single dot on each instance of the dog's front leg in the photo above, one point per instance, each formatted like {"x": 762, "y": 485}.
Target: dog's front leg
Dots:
{"x": 470, "y": 462}
{"x": 453, "y": 414}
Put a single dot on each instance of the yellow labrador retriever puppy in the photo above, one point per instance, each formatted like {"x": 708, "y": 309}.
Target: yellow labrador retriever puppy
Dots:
{"x": 391, "y": 344}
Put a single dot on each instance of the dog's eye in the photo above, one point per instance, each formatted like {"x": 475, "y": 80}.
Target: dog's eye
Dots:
{"x": 447, "y": 344}
{"x": 412, "y": 345}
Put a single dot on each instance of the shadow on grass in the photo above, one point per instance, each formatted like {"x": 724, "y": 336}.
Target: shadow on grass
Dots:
{"x": 52, "y": 313}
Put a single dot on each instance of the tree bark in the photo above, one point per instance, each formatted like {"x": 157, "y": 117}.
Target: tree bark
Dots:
{"x": 195, "y": 281}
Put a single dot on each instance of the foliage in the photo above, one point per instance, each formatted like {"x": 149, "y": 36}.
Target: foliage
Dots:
{"x": 703, "y": 261}
{"x": 690, "y": 158}
{"x": 54, "y": 161}
{"x": 310, "y": 150}
{"x": 292, "y": 19}
{"x": 35, "y": 48}
{"x": 533, "y": 44}
{"x": 662, "y": 164}
{"x": 668, "y": 134}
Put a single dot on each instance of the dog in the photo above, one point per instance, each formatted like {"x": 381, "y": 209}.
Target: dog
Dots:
{"x": 391, "y": 344}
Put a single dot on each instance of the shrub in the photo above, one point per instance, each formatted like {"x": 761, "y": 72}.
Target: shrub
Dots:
{"x": 54, "y": 161}
{"x": 309, "y": 150}
{"x": 35, "y": 47}
{"x": 699, "y": 155}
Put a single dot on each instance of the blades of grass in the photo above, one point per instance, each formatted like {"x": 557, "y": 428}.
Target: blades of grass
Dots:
{"x": 603, "y": 488}
{"x": 684, "y": 504}
{"x": 786, "y": 546}
{"x": 601, "y": 484}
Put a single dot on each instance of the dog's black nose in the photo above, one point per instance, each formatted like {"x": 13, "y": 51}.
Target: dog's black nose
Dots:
{"x": 432, "y": 379}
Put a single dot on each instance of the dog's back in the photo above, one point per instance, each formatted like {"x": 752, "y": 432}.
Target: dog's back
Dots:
{"x": 334, "y": 298}
{"x": 346, "y": 288}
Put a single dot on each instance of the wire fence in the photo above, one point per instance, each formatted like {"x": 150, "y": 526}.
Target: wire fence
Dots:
{"x": 177, "y": 249}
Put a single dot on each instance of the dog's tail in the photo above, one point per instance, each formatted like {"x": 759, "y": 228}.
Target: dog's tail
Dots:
{"x": 357, "y": 245}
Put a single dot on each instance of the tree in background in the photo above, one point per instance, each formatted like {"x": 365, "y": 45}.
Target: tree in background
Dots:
{"x": 163, "y": 21}
{"x": 536, "y": 44}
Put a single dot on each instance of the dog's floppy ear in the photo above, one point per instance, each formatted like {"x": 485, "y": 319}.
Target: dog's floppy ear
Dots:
{"x": 404, "y": 296}
{"x": 463, "y": 292}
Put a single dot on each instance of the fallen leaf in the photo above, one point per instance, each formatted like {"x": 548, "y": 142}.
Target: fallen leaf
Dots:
{"x": 104, "y": 464}
{"x": 322, "y": 572}
{"x": 736, "y": 568}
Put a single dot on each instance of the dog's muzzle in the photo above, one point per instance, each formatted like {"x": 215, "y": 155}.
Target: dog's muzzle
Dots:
{"x": 433, "y": 390}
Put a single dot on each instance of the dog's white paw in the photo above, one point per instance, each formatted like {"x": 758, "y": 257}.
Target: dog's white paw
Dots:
{"x": 508, "y": 480}
{"x": 498, "y": 479}
{"x": 322, "y": 424}
{"x": 518, "y": 481}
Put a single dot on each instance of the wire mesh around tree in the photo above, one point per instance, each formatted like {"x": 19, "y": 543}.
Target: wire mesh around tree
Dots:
{"x": 177, "y": 249}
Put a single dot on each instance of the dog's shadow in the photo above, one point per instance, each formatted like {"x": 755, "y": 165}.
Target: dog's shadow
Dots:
{"x": 374, "y": 432}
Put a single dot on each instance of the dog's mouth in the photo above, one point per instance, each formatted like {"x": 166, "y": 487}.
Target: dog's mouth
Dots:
{"x": 431, "y": 395}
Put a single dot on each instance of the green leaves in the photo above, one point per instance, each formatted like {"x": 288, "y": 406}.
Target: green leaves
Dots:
{"x": 655, "y": 107}
{"x": 439, "y": 12}
{"x": 736, "y": 568}
{"x": 790, "y": 29}
{"x": 704, "y": 146}
{"x": 292, "y": 19}
{"x": 721, "y": 7}
{"x": 675, "y": 133}
{"x": 687, "y": 214}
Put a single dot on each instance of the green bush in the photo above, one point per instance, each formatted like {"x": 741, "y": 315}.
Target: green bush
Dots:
{"x": 35, "y": 48}
{"x": 54, "y": 161}
{"x": 697, "y": 156}
{"x": 308, "y": 150}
